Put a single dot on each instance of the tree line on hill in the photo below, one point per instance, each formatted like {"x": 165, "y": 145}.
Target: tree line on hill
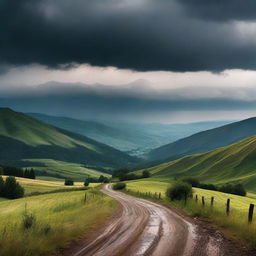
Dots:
{"x": 10, "y": 188}
{"x": 17, "y": 172}
{"x": 88, "y": 180}
{"x": 126, "y": 174}
{"x": 235, "y": 189}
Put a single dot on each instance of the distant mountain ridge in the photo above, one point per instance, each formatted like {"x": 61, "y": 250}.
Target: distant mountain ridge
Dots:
{"x": 134, "y": 138}
{"x": 204, "y": 141}
{"x": 24, "y": 137}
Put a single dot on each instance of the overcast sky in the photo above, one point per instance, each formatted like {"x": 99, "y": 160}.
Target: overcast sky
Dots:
{"x": 165, "y": 60}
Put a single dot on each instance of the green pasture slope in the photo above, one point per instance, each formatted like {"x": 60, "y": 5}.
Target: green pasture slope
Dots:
{"x": 23, "y": 137}
{"x": 204, "y": 141}
{"x": 234, "y": 163}
{"x": 62, "y": 169}
{"x": 58, "y": 219}
{"x": 40, "y": 186}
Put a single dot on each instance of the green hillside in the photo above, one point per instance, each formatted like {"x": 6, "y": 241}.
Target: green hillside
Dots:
{"x": 204, "y": 141}
{"x": 234, "y": 163}
{"x": 23, "y": 137}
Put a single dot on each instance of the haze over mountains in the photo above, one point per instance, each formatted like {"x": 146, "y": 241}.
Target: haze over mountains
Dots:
{"x": 204, "y": 141}
{"x": 134, "y": 138}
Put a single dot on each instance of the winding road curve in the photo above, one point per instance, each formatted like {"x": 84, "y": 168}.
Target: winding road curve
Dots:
{"x": 147, "y": 228}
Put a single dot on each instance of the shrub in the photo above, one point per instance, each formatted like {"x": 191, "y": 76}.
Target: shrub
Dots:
{"x": 145, "y": 174}
{"x": 28, "y": 220}
{"x": 192, "y": 181}
{"x": 1, "y": 186}
{"x": 86, "y": 183}
{"x": 119, "y": 186}
{"x": 69, "y": 182}
{"x": 236, "y": 189}
{"x": 208, "y": 186}
{"x": 12, "y": 188}
{"x": 179, "y": 191}
{"x": 103, "y": 179}
{"x": 120, "y": 172}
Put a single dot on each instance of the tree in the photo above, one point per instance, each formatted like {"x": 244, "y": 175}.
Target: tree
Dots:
{"x": 119, "y": 186}
{"x": 26, "y": 173}
{"x": 32, "y": 174}
{"x": 179, "y": 191}
{"x": 120, "y": 172}
{"x": 103, "y": 179}
{"x": 12, "y": 171}
{"x": 192, "y": 181}
{"x": 86, "y": 183}
{"x": 238, "y": 189}
{"x": 145, "y": 174}
{"x": 1, "y": 186}
{"x": 69, "y": 182}
{"x": 12, "y": 188}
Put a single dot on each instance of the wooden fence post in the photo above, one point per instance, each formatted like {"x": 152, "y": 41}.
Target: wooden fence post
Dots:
{"x": 228, "y": 207}
{"x": 85, "y": 197}
{"x": 203, "y": 202}
{"x": 196, "y": 198}
{"x": 159, "y": 195}
{"x": 212, "y": 201}
{"x": 250, "y": 213}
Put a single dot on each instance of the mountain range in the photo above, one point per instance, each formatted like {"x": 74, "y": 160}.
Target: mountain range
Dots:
{"x": 204, "y": 141}
{"x": 132, "y": 137}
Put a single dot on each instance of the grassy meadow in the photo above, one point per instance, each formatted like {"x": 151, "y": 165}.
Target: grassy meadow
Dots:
{"x": 63, "y": 169}
{"x": 235, "y": 225}
{"x": 235, "y": 163}
{"x": 32, "y": 186}
{"x": 58, "y": 218}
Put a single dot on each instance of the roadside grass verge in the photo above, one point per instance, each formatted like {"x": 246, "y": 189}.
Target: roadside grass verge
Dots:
{"x": 233, "y": 225}
{"x": 40, "y": 225}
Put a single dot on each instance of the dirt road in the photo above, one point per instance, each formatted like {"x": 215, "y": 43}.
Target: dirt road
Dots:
{"x": 147, "y": 228}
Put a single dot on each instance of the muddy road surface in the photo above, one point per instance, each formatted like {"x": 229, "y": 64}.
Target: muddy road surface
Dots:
{"x": 147, "y": 228}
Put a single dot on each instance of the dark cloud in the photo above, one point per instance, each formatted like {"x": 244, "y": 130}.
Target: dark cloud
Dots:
{"x": 107, "y": 102}
{"x": 135, "y": 34}
{"x": 221, "y": 10}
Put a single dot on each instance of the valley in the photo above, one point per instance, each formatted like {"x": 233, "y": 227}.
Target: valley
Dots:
{"x": 58, "y": 156}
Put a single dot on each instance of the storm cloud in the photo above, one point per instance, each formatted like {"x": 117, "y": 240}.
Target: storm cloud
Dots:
{"x": 131, "y": 102}
{"x": 133, "y": 34}
{"x": 219, "y": 10}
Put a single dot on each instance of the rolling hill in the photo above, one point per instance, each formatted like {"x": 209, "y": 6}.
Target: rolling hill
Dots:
{"x": 233, "y": 163}
{"x": 134, "y": 138}
{"x": 23, "y": 137}
{"x": 204, "y": 141}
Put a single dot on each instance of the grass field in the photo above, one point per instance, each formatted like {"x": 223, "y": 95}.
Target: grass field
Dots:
{"x": 235, "y": 225}
{"x": 63, "y": 169}
{"x": 59, "y": 218}
{"x": 40, "y": 186}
